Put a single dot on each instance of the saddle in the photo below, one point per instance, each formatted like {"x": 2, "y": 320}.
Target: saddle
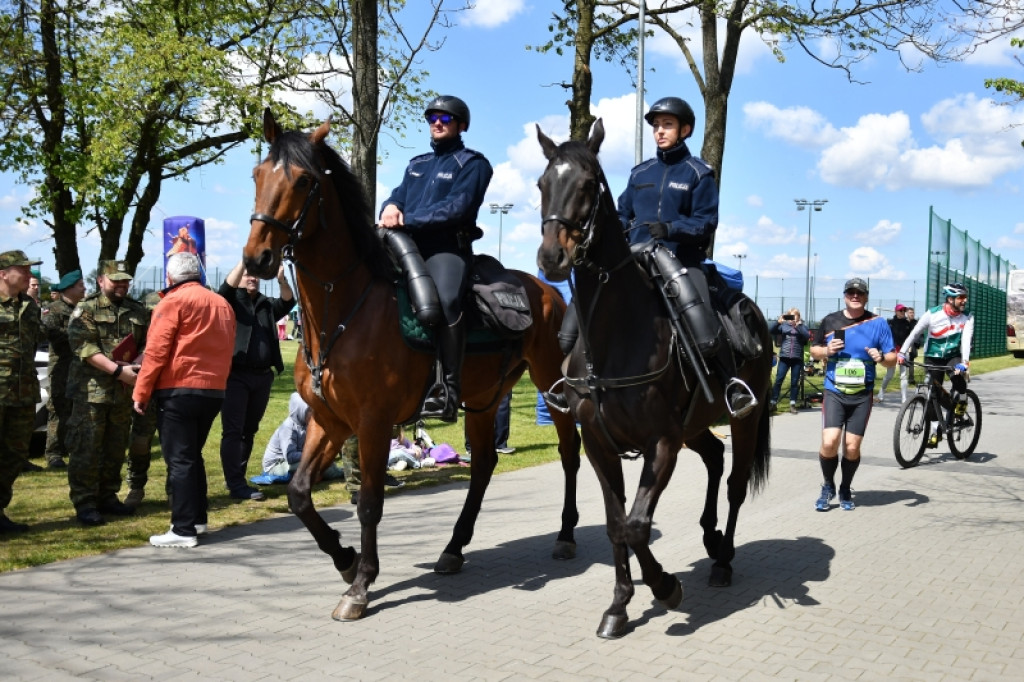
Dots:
{"x": 497, "y": 310}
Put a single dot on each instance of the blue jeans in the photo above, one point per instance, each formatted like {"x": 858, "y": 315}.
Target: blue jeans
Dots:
{"x": 794, "y": 367}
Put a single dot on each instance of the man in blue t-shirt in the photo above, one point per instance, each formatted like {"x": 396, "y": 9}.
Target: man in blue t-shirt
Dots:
{"x": 853, "y": 341}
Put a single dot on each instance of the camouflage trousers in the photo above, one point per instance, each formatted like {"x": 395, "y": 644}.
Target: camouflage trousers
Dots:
{"x": 59, "y": 412}
{"x": 350, "y": 464}
{"x": 140, "y": 447}
{"x": 16, "y": 425}
{"x": 97, "y": 439}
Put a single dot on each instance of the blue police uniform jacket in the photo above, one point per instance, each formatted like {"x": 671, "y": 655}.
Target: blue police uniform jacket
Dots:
{"x": 441, "y": 193}
{"x": 678, "y": 189}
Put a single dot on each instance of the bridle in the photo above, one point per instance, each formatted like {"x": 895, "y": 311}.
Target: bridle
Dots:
{"x": 592, "y": 385}
{"x": 294, "y": 233}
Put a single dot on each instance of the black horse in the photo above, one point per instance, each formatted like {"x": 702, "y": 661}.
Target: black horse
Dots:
{"x": 628, "y": 384}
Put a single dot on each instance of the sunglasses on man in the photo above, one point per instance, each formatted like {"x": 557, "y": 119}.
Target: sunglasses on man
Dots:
{"x": 443, "y": 118}
{"x": 855, "y": 292}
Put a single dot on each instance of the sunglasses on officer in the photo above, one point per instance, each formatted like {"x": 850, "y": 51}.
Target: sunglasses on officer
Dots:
{"x": 443, "y": 118}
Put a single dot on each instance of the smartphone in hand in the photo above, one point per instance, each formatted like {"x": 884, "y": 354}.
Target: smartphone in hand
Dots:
{"x": 839, "y": 334}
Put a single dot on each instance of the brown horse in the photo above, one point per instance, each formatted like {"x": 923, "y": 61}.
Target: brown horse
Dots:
{"x": 354, "y": 369}
{"x": 628, "y": 384}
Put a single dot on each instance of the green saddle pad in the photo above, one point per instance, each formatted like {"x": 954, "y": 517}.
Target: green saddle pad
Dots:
{"x": 479, "y": 339}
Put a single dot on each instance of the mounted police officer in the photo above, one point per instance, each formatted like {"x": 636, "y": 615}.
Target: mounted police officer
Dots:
{"x": 100, "y": 423}
{"x": 437, "y": 204}
{"x": 671, "y": 205}
{"x": 70, "y": 290}
{"x": 21, "y": 331}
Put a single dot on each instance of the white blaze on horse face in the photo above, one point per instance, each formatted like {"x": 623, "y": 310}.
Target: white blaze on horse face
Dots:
{"x": 562, "y": 168}
{"x": 278, "y": 166}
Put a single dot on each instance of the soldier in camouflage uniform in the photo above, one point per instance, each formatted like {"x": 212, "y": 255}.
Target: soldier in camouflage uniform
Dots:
{"x": 71, "y": 289}
{"x": 140, "y": 444}
{"x": 21, "y": 331}
{"x": 100, "y": 423}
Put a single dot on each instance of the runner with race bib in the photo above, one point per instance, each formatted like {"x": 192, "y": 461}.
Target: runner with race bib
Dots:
{"x": 853, "y": 341}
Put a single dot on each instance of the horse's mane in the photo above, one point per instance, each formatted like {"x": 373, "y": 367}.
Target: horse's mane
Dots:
{"x": 294, "y": 148}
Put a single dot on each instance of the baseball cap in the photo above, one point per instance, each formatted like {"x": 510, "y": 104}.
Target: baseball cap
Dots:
{"x": 899, "y": 307}
{"x": 10, "y": 259}
{"x": 857, "y": 284}
{"x": 115, "y": 270}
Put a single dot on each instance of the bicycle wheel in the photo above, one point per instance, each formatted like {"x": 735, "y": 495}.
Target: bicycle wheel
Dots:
{"x": 911, "y": 432}
{"x": 963, "y": 435}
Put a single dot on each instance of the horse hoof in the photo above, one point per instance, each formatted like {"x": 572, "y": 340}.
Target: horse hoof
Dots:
{"x": 672, "y": 601}
{"x": 721, "y": 576}
{"x": 612, "y": 627}
{"x": 564, "y": 550}
{"x": 349, "y": 574}
{"x": 350, "y": 608}
{"x": 448, "y": 564}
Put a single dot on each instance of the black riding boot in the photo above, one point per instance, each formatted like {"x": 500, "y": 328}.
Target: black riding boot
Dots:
{"x": 567, "y": 336}
{"x": 443, "y": 401}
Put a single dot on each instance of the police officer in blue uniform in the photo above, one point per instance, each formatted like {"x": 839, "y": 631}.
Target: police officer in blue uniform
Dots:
{"x": 437, "y": 204}
{"x": 672, "y": 199}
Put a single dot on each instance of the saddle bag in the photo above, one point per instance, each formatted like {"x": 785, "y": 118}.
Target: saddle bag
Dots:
{"x": 500, "y": 298}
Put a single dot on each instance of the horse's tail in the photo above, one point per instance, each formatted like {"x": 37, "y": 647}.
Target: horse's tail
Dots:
{"x": 762, "y": 451}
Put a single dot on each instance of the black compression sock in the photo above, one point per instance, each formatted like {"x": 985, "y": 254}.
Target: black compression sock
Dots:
{"x": 849, "y": 469}
{"x": 829, "y": 465}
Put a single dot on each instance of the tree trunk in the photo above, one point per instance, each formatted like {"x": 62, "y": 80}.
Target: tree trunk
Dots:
{"x": 58, "y": 196}
{"x": 365, "y": 94}
{"x": 580, "y": 118}
{"x": 140, "y": 220}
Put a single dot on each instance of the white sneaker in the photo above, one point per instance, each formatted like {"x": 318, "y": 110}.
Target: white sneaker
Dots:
{"x": 172, "y": 539}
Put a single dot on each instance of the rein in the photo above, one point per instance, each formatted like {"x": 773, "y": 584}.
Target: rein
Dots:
{"x": 294, "y": 233}
{"x": 592, "y": 385}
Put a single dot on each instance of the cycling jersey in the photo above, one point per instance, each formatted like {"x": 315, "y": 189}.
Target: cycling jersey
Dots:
{"x": 948, "y": 335}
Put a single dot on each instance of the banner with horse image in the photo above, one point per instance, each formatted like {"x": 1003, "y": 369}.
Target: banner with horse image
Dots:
{"x": 185, "y": 234}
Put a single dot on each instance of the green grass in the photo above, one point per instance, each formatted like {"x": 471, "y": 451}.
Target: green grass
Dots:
{"x": 41, "y": 499}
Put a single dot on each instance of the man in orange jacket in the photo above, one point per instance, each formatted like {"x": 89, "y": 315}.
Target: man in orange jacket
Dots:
{"x": 188, "y": 357}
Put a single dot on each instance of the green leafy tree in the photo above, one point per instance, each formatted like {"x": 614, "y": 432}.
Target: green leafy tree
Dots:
{"x": 1010, "y": 88}
{"x": 838, "y": 36}
{"x": 390, "y": 40}
{"x": 105, "y": 102}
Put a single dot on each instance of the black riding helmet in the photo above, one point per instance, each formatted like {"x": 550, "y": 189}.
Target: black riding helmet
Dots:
{"x": 675, "y": 106}
{"x": 448, "y": 104}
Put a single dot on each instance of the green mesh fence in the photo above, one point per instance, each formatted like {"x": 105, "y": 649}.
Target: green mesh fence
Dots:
{"x": 954, "y": 257}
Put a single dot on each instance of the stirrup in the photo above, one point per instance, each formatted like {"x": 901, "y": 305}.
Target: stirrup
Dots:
{"x": 556, "y": 401}
{"x": 743, "y": 409}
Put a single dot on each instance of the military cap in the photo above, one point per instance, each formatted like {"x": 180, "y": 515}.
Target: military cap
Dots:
{"x": 10, "y": 259}
{"x": 67, "y": 280}
{"x": 114, "y": 270}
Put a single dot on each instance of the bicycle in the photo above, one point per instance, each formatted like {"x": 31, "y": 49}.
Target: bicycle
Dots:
{"x": 913, "y": 429}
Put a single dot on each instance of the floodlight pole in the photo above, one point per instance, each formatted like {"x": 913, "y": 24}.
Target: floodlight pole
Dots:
{"x": 815, "y": 205}
{"x": 501, "y": 210}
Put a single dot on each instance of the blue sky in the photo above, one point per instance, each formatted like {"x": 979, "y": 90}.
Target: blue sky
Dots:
{"x": 881, "y": 152}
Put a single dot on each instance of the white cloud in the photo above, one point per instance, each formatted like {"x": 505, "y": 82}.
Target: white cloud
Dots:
{"x": 755, "y": 201}
{"x": 883, "y": 232}
{"x": 866, "y": 261}
{"x": 864, "y": 155}
{"x": 798, "y": 126}
{"x": 491, "y": 13}
{"x": 769, "y": 232}
{"x": 975, "y": 144}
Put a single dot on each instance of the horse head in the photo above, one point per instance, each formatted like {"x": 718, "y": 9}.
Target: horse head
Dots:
{"x": 571, "y": 188}
{"x": 288, "y": 195}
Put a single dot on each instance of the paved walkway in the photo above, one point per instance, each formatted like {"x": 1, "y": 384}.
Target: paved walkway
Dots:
{"x": 921, "y": 582}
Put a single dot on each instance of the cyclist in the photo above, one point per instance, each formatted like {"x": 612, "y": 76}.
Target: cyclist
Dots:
{"x": 948, "y": 343}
